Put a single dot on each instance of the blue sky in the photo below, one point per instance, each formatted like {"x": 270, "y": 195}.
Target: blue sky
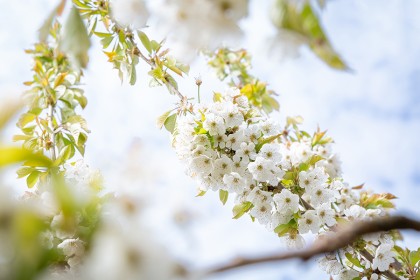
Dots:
{"x": 373, "y": 113}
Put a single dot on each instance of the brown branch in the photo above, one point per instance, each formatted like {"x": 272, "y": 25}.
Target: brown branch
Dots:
{"x": 342, "y": 237}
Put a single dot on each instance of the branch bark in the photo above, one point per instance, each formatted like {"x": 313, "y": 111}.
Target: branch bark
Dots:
{"x": 342, "y": 237}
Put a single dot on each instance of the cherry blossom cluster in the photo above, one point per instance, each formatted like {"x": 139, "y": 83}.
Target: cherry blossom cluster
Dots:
{"x": 124, "y": 245}
{"x": 61, "y": 233}
{"x": 120, "y": 240}
{"x": 284, "y": 178}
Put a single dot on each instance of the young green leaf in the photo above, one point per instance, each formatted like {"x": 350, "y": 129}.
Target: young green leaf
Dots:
{"x": 414, "y": 257}
{"x": 145, "y": 41}
{"x": 161, "y": 120}
{"x": 240, "y": 209}
{"x": 32, "y": 179}
{"x": 201, "y": 193}
{"x": 11, "y": 155}
{"x": 76, "y": 42}
{"x": 223, "y": 196}
{"x": 170, "y": 123}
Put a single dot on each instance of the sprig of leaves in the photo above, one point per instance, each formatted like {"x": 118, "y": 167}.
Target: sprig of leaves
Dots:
{"x": 51, "y": 123}
{"x": 301, "y": 20}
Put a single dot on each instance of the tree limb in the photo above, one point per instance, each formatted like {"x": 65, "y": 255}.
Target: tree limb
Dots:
{"x": 342, "y": 237}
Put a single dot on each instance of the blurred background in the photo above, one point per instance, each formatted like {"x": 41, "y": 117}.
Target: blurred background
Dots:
{"x": 372, "y": 112}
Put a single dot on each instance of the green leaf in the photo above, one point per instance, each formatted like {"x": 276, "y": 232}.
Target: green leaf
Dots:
{"x": 264, "y": 141}
{"x": 201, "y": 193}
{"x": 282, "y": 229}
{"x": 132, "y": 74}
{"x": 106, "y": 41}
{"x": 170, "y": 123}
{"x": 155, "y": 46}
{"x": 65, "y": 154}
{"x": 145, "y": 41}
{"x": 24, "y": 171}
{"x": 32, "y": 179}
{"x": 314, "y": 159}
{"x": 417, "y": 275}
{"x": 25, "y": 119}
{"x": 305, "y": 23}
{"x": 12, "y": 155}
{"x": 161, "y": 120}
{"x": 294, "y": 120}
{"x": 46, "y": 26}
{"x": 183, "y": 67}
{"x": 414, "y": 257}
{"x": 102, "y": 34}
{"x": 400, "y": 251}
{"x": 157, "y": 73}
{"x": 217, "y": 97}
{"x": 82, "y": 101}
{"x": 240, "y": 209}
{"x": 303, "y": 166}
{"x": 223, "y": 196}
{"x": 353, "y": 260}
{"x": 76, "y": 40}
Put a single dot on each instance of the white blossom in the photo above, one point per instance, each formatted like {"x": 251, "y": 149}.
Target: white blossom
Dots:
{"x": 294, "y": 240}
{"x": 270, "y": 128}
{"x": 245, "y": 152}
{"x": 257, "y": 196}
{"x": 214, "y": 124}
{"x": 320, "y": 195}
{"x": 271, "y": 152}
{"x": 232, "y": 116}
{"x": 309, "y": 222}
{"x": 262, "y": 170}
{"x": 234, "y": 141}
{"x": 355, "y": 212}
{"x": 220, "y": 140}
{"x": 221, "y": 167}
{"x": 252, "y": 133}
{"x": 330, "y": 264}
{"x": 202, "y": 165}
{"x": 74, "y": 249}
{"x": 299, "y": 153}
{"x": 286, "y": 201}
{"x": 347, "y": 274}
{"x": 262, "y": 212}
{"x": 234, "y": 182}
{"x": 326, "y": 214}
{"x": 383, "y": 257}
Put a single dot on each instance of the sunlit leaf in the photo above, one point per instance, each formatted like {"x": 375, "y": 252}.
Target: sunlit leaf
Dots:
{"x": 201, "y": 193}
{"x": 76, "y": 40}
{"x": 414, "y": 257}
{"x": 161, "y": 120}
{"x": 223, "y": 196}
{"x": 240, "y": 209}
{"x": 12, "y": 155}
{"x": 32, "y": 179}
{"x": 46, "y": 26}
{"x": 303, "y": 21}
{"x": 145, "y": 41}
{"x": 170, "y": 123}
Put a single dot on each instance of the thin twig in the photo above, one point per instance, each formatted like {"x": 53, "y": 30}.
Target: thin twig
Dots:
{"x": 344, "y": 236}
{"x": 51, "y": 125}
{"x": 151, "y": 63}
